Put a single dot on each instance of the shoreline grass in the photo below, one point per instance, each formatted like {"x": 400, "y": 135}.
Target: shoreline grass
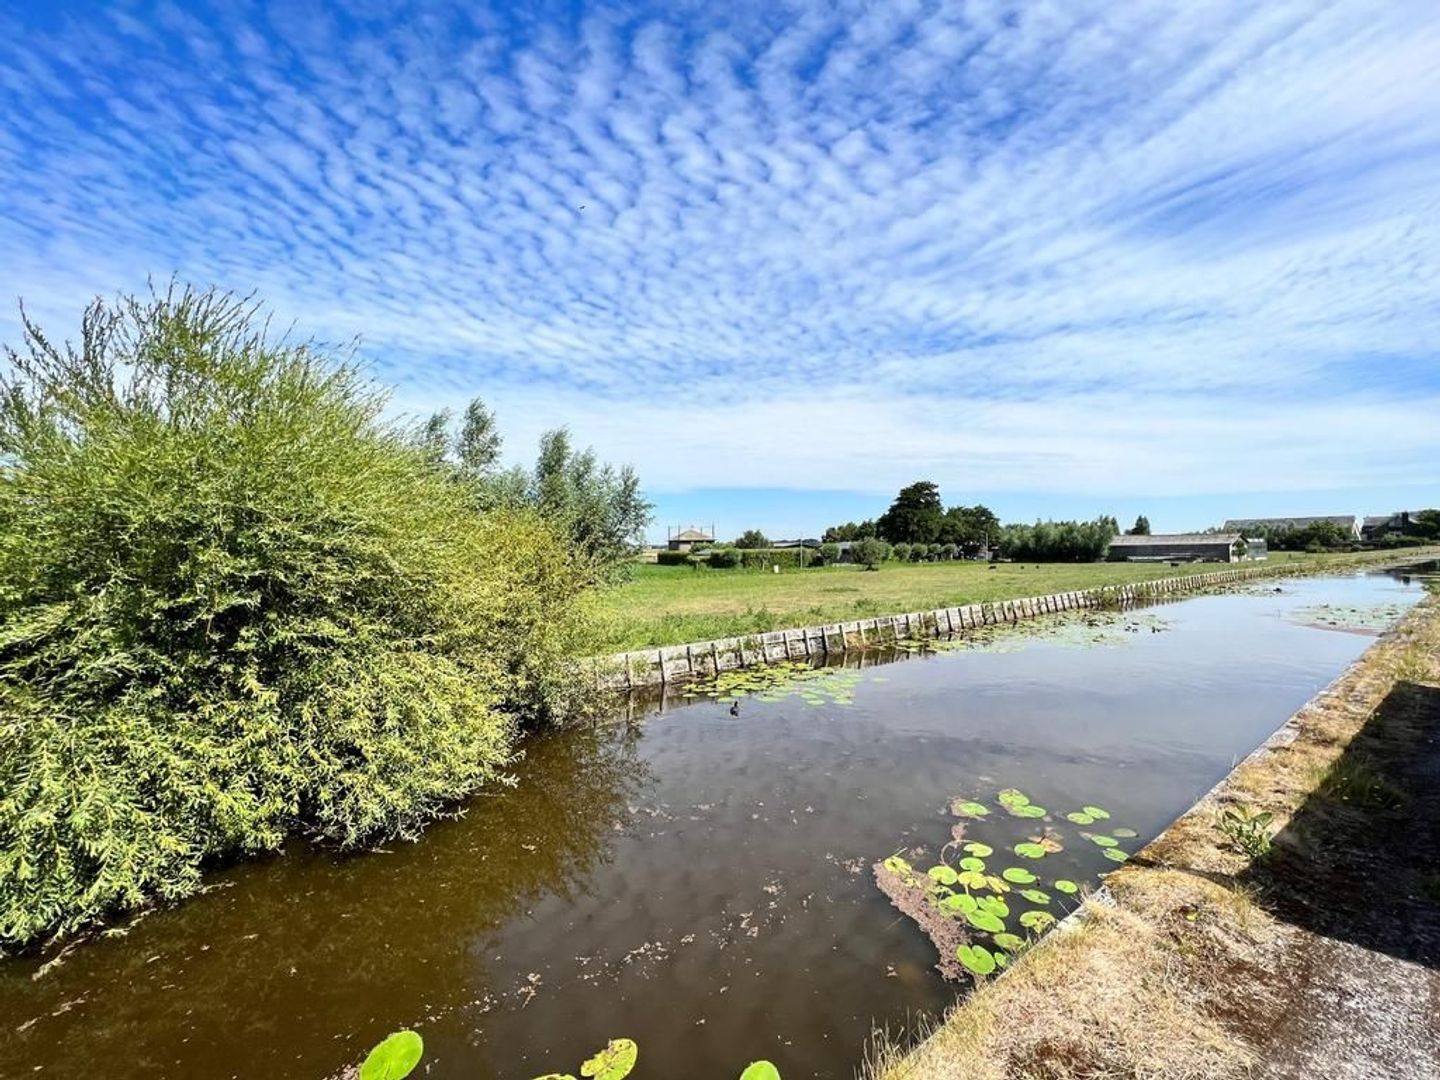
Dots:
{"x": 672, "y": 605}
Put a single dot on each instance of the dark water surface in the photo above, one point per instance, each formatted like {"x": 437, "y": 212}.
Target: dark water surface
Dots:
{"x": 699, "y": 883}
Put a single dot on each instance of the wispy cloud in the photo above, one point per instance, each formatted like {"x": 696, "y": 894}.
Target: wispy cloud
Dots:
{"x": 1104, "y": 247}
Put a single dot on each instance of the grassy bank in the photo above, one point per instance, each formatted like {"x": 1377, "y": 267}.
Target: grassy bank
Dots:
{"x": 670, "y": 605}
{"x": 1211, "y": 962}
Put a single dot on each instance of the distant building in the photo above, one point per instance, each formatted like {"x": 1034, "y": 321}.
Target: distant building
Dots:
{"x": 1398, "y": 523}
{"x": 689, "y": 538}
{"x": 1181, "y": 547}
{"x": 776, "y": 545}
{"x": 1348, "y": 522}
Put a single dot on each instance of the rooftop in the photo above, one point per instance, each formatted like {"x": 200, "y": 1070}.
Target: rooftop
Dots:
{"x": 1175, "y": 538}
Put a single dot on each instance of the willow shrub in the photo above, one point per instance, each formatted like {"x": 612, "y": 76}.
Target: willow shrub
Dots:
{"x": 234, "y": 604}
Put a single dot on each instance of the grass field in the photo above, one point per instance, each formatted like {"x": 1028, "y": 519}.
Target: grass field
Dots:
{"x": 669, "y": 605}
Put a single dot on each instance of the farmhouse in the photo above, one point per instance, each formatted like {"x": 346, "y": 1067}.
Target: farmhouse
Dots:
{"x": 1186, "y": 547}
{"x": 1349, "y": 522}
{"x": 689, "y": 539}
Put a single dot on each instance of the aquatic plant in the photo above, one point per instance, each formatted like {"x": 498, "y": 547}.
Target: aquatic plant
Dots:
{"x": 977, "y": 959}
{"x": 394, "y": 1058}
{"x": 612, "y": 1063}
{"x": 1247, "y": 831}
{"x": 779, "y": 680}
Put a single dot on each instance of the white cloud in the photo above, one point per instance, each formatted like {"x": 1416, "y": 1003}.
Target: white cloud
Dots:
{"x": 1012, "y": 246}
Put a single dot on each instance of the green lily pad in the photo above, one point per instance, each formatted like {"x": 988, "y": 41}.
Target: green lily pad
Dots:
{"x": 1010, "y": 942}
{"x": 1124, "y": 833}
{"x": 1018, "y": 875}
{"x": 979, "y": 850}
{"x": 1036, "y": 896}
{"x": 614, "y": 1062}
{"x": 1115, "y": 855}
{"x": 395, "y": 1057}
{"x": 1029, "y": 810}
{"x": 983, "y": 920}
{"x": 1079, "y": 818}
{"x": 976, "y": 958}
{"x": 1104, "y": 841}
{"x": 1068, "y": 887}
{"x": 970, "y": 862}
{"x": 1030, "y": 851}
{"x": 995, "y": 884}
{"x": 959, "y": 904}
{"x": 896, "y": 865}
{"x": 760, "y": 1070}
{"x": 1013, "y": 797}
{"x": 1096, "y": 813}
{"x": 1039, "y": 921}
{"x": 974, "y": 879}
{"x": 994, "y": 905}
{"x": 967, "y": 808}
{"x": 945, "y": 875}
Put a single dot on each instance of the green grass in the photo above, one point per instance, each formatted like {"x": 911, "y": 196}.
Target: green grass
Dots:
{"x": 669, "y": 605}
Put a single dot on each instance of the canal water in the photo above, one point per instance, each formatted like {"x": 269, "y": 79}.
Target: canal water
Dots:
{"x": 699, "y": 881}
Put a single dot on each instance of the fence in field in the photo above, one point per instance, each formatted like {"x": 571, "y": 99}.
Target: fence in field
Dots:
{"x": 676, "y": 663}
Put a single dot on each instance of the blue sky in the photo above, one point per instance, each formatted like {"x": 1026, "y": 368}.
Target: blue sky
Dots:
{"x": 1062, "y": 258}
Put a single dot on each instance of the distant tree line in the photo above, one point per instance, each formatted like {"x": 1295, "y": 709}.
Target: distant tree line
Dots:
{"x": 917, "y": 516}
{"x": 1059, "y": 541}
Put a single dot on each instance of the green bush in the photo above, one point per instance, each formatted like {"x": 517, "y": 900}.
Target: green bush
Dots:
{"x": 233, "y": 605}
{"x": 900, "y": 552}
{"x": 785, "y": 558}
{"x": 829, "y": 554}
{"x": 673, "y": 558}
{"x": 870, "y": 552}
{"x": 724, "y": 558}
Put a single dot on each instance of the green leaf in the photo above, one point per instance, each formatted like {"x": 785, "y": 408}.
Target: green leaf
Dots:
{"x": 614, "y": 1062}
{"x": 1104, "y": 841}
{"x": 1068, "y": 887}
{"x": 1080, "y": 818}
{"x": 969, "y": 809}
{"x": 1030, "y": 851}
{"x": 760, "y": 1070}
{"x": 945, "y": 875}
{"x": 896, "y": 865}
{"x": 959, "y": 904}
{"x": 1115, "y": 855}
{"x": 1036, "y": 896}
{"x": 976, "y": 958}
{"x": 1096, "y": 813}
{"x": 1039, "y": 921}
{"x": 1029, "y": 810}
{"x": 394, "y": 1058}
{"x": 1010, "y": 942}
{"x": 979, "y": 850}
{"x": 983, "y": 920}
{"x": 995, "y": 884}
{"x": 995, "y": 905}
{"x": 974, "y": 879}
{"x": 970, "y": 862}
{"x": 1019, "y": 875}
{"x": 1124, "y": 833}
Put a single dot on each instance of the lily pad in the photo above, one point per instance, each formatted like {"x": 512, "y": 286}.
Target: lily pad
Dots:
{"x": 994, "y": 905}
{"x": 395, "y": 1057}
{"x": 1030, "y": 851}
{"x": 959, "y": 904}
{"x": 976, "y": 958}
{"x": 1067, "y": 887}
{"x": 1029, "y": 810}
{"x": 760, "y": 1070}
{"x": 1079, "y": 818}
{"x": 614, "y": 1062}
{"x": 1010, "y": 942}
{"x": 1115, "y": 855}
{"x": 974, "y": 879}
{"x": 1096, "y": 813}
{"x": 945, "y": 875}
{"x": 1124, "y": 833}
{"x": 1013, "y": 797}
{"x": 979, "y": 850}
{"x": 995, "y": 884}
{"x": 1104, "y": 841}
{"x": 1036, "y": 896}
{"x": 983, "y": 920}
{"x": 967, "y": 808}
{"x": 1018, "y": 875}
{"x": 896, "y": 865}
{"x": 1039, "y": 921}
{"x": 970, "y": 862}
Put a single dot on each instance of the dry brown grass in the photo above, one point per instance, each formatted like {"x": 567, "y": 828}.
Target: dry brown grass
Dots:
{"x": 1179, "y": 975}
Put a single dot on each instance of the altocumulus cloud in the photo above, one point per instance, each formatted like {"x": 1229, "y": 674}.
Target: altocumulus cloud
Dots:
{"x": 1099, "y": 247}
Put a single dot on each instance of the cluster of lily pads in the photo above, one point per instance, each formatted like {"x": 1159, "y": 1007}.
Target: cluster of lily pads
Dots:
{"x": 1342, "y": 617}
{"x": 396, "y": 1057}
{"x": 781, "y": 679}
{"x": 968, "y": 893}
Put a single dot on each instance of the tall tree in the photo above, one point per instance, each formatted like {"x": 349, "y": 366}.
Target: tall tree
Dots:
{"x": 1141, "y": 526}
{"x": 479, "y": 442}
{"x": 752, "y": 538}
{"x": 914, "y": 517}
